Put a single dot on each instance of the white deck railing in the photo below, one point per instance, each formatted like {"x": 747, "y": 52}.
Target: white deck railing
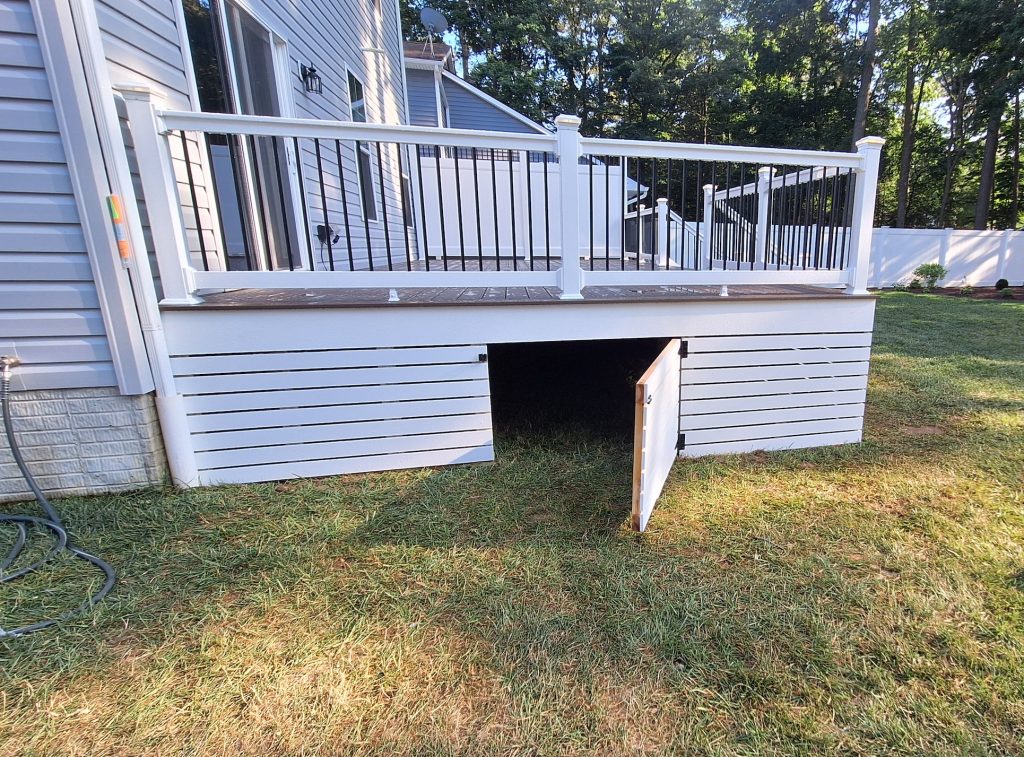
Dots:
{"x": 254, "y": 202}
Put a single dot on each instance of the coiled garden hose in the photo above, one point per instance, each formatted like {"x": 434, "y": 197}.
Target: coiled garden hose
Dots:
{"x": 51, "y": 523}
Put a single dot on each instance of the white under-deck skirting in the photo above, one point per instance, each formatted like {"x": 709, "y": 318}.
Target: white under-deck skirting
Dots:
{"x": 279, "y": 393}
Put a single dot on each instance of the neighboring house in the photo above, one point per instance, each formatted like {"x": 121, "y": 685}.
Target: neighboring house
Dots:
{"x": 437, "y": 97}
{"x": 236, "y": 247}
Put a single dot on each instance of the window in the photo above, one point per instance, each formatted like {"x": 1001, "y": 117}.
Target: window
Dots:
{"x": 407, "y": 210}
{"x": 357, "y": 103}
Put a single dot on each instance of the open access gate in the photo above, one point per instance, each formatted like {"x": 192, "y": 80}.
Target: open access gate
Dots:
{"x": 656, "y": 431}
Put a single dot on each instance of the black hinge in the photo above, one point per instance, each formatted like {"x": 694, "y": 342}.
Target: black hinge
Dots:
{"x": 681, "y": 442}
{"x": 482, "y": 357}
{"x": 684, "y": 349}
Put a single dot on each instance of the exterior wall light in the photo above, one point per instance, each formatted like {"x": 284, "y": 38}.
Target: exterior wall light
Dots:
{"x": 311, "y": 79}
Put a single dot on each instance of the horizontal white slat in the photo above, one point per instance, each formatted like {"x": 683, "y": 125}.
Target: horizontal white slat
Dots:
{"x": 44, "y": 266}
{"x": 690, "y": 151}
{"x": 772, "y": 430}
{"x": 342, "y": 466}
{"x": 776, "y": 357}
{"x": 342, "y": 377}
{"x": 784, "y": 415}
{"x": 770, "y": 372}
{"x": 34, "y": 238}
{"x": 294, "y": 361}
{"x": 339, "y": 449}
{"x": 781, "y": 443}
{"x": 755, "y": 388}
{"x": 299, "y": 416}
{"x": 30, "y": 295}
{"x": 702, "y": 344}
{"x": 215, "y": 403}
{"x": 32, "y": 147}
{"x": 218, "y": 123}
{"x": 332, "y": 432}
{"x": 714, "y": 278}
{"x": 771, "y": 402}
{"x": 371, "y": 279}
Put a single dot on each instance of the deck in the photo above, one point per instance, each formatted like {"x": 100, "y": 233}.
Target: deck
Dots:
{"x": 356, "y": 298}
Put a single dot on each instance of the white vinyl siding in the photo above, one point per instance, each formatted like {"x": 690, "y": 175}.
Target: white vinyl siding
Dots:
{"x": 49, "y": 309}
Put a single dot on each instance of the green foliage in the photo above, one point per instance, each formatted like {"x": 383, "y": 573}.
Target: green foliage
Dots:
{"x": 966, "y": 290}
{"x": 932, "y": 273}
{"x": 772, "y": 73}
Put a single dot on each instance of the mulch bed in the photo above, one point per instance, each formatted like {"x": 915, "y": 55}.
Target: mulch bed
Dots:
{"x": 979, "y": 293}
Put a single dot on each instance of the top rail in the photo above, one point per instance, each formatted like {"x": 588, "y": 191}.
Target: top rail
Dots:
{"x": 690, "y": 151}
{"x": 264, "y": 126}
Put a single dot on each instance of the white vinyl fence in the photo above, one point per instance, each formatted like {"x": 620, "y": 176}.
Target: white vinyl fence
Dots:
{"x": 978, "y": 258}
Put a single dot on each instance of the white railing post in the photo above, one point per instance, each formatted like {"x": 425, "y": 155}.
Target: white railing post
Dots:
{"x": 764, "y": 186}
{"x": 662, "y": 233}
{"x": 870, "y": 149}
{"x": 708, "y": 226}
{"x": 570, "y": 277}
{"x": 159, "y": 187}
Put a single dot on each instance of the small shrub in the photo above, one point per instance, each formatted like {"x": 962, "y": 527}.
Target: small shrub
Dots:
{"x": 966, "y": 290}
{"x": 1002, "y": 284}
{"x": 932, "y": 273}
{"x": 914, "y": 284}
{"x": 1006, "y": 293}
{"x": 899, "y": 286}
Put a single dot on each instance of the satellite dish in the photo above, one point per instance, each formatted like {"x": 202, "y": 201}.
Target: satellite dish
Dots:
{"x": 434, "y": 22}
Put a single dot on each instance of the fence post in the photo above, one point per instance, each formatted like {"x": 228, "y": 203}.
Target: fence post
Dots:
{"x": 764, "y": 186}
{"x": 159, "y": 187}
{"x": 870, "y": 150}
{"x": 1004, "y": 253}
{"x": 570, "y": 276}
{"x": 662, "y": 212}
{"x": 709, "y": 223}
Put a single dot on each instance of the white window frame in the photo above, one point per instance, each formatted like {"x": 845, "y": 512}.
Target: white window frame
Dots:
{"x": 359, "y": 146}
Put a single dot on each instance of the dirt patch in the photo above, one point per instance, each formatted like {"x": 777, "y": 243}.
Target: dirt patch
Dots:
{"x": 923, "y": 431}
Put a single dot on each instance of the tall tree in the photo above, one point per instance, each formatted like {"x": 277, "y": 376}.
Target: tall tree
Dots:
{"x": 867, "y": 70}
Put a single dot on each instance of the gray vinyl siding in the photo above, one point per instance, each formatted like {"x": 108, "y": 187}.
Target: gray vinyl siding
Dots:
{"x": 49, "y": 309}
{"x": 422, "y": 97}
{"x": 141, "y": 43}
{"x": 469, "y": 111}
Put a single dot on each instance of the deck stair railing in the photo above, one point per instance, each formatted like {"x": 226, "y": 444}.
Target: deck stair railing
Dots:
{"x": 273, "y": 203}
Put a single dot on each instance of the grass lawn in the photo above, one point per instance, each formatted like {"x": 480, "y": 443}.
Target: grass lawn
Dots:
{"x": 862, "y": 599}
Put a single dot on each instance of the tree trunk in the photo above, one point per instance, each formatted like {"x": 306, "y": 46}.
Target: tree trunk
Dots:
{"x": 988, "y": 170}
{"x": 906, "y": 154}
{"x": 464, "y": 53}
{"x": 1015, "y": 190}
{"x": 867, "y": 72}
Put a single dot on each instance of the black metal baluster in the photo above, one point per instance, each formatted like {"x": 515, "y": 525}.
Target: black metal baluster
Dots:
{"x": 476, "y": 200}
{"x": 494, "y": 210}
{"x": 668, "y": 214}
{"x": 529, "y": 205}
{"x": 405, "y": 208}
{"x": 195, "y": 204}
{"x": 440, "y": 208}
{"x": 851, "y": 191}
{"x": 384, "y": 207}
{"x": 260, "y": 207}
{"x": 547, "y": 219}
{"x": 302, "y": 200}
{"x": 682, "y": 214}
{"x": 607, "y": 212}
{"x": 654, "y": 214}
{"x": 512, "y": 209}
{"x": 458, "y": 205}
{"x": 362, "y": 200}
{"x": 834, "y": 180}
{"x": 698, "y": 211}
{"x": 423, "y": 205}
{"x": 590, "y": 164}
{"x": 623, "y": 164}
{"x": 323, "y": 203}
{"x": 284, "y": 204}
{"x": 344, "y": 204}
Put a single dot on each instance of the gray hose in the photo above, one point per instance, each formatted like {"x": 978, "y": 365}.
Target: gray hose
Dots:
{"x": 51, "y": 523}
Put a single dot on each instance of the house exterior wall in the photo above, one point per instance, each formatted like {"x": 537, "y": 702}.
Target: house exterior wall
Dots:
{"x": 144, "y": 44}
{"x": 422, "y": 97}
{"x": 78, "y": 432}
{"x": 469, "y": 111}
{"x": 49, "y": 308}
